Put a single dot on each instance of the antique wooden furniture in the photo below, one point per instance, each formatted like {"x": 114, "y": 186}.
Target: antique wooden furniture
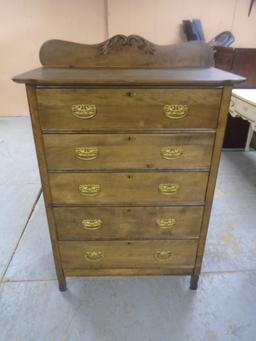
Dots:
{"x": 243, "y": 62}
{"x": 243, "y": 104}
{"x": 128, "y": 137}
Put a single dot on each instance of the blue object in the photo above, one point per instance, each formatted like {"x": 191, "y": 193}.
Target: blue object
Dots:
{"x": 198, "y": 29}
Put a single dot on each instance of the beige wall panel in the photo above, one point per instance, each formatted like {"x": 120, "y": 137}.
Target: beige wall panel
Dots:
{"x": 160, "y": 20}
{"x": 26, "y": 24}
{"x": 244, "y": 28}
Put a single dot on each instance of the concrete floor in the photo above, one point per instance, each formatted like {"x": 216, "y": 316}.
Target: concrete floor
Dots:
{"x": 120, "y": 309}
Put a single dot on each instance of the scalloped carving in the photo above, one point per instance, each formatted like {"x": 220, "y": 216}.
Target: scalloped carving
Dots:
{"x": 125, "y": 52}
{"x": 121, "y": 40}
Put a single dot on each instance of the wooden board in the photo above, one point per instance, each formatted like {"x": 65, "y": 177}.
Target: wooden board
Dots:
{"x": 170, "y": 271}
{"x": 109, "y": 77}
{"x": 128, "y": 109}
{"x": 121, "y": 151}
{"x": 129, "y": 223}
{"x": 127, "y": 254}
{"x": 211, "y": 184}
{"x": 128, "y": 51}
{"x": 33, "y": 108}
{"x": 128, "y": 188}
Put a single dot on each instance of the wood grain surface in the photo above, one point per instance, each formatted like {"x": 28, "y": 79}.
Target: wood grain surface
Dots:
{"x": 119, "y": 223}
{"x": 127, "y": 51}
{"x": 33, "y": 108}
{"x": 50, "y": 76}
{"x": 129, "y": 151}
{"x": 211, "y": 183}
{"x": 128, "y": 188}
{"x": 117, "y": 110}
{"x": 128, "y": 254}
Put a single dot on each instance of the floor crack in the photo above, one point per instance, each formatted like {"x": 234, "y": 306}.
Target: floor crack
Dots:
{"x": 22, "y": 233}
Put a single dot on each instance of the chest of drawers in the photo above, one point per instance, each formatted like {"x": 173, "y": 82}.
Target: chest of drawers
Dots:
{"x": 128, "y": 137}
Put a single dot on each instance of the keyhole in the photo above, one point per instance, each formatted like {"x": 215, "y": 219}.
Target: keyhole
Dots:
{"x": 131, "y": 94}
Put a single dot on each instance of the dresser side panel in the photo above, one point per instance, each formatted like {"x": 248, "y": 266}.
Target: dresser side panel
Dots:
{"x": 226, "y": 95}
{"x": 33, "y": 107}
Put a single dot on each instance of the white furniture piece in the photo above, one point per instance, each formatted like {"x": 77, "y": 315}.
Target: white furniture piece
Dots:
{"x": 243, "y": 104}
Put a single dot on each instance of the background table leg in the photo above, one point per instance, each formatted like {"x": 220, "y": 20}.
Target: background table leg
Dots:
{"x": 249, "y": 138}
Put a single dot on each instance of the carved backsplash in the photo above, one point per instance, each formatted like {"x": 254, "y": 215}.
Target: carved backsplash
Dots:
{"x": 125, "y": 52}
{"x": 121, "y": 40}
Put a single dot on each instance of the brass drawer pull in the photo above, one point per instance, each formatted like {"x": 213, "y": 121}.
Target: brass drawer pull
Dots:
{"x": 165, "y": 223}
{"x": 163, "y": 255}
{"x": 84, "y": 111}
{"x": 171, "y": 153}
{"x": 89, "y": 189}
{"x": 91, "y": 223}
{"x": 168, "y": 189}
{"x": 94, "y": 256}
{"x": 86, "y": 153}
{"x": 175, "y": 111}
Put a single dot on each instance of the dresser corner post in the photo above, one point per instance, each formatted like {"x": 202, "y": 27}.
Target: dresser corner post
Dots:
{"x": 220, "y": 132}
{"x": 194, "y": 282}
{"x": 33, "y": 108}
{"x": 62, "y": 284}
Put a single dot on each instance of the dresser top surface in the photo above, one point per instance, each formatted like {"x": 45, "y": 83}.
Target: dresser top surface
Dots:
{"x": 135, "y": 76}
{"x": 126, "y": 60}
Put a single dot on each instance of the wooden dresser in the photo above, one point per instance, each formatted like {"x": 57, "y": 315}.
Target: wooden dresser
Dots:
{"x": 128, "y": 137}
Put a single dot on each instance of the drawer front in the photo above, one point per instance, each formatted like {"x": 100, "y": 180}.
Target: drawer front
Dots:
{"x": 128, "y": 254}
{"x": 132, "y": 188}
{"x": 116, "y": 151}
{"x": 128, "y": 109}
{"x": 106, "y": 223}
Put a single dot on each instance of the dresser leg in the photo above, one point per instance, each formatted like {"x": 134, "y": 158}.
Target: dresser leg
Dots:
{"x": 62, "y": 284}
{"x": 194, "y": 282}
